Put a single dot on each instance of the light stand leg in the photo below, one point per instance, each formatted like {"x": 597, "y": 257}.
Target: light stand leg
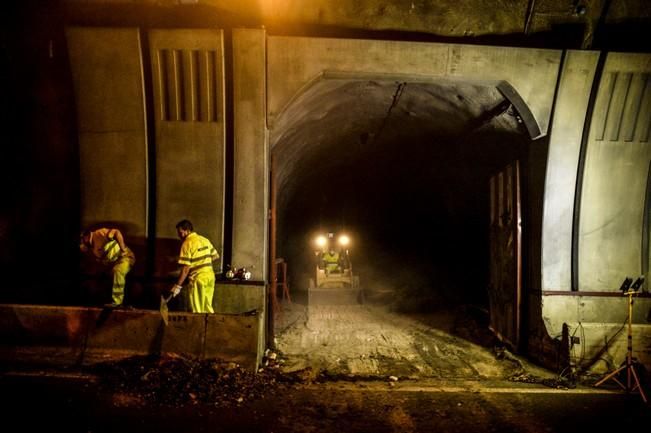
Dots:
{"x": 612, "y": 375}
{"x": 637, "y": 383}
{"x": 629, "y": 365}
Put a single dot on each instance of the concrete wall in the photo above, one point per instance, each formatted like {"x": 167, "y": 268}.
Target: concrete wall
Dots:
{"x": 188, "y": 85}
{"x": 614, "y": 186}
{"x": 69, "y": 336}
{"x": 146, "y": 188}
{"x": 611, "y": 237}
{"x": 111, "y": 124}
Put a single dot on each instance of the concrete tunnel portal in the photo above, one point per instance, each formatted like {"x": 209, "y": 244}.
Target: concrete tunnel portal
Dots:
{"x": 404, "y": 165}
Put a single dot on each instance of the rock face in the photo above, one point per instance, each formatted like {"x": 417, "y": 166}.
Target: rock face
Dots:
{"x": 446, "y": 18}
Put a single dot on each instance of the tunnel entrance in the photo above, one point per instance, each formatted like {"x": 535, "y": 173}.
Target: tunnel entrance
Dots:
{"x": 404, "y": 167}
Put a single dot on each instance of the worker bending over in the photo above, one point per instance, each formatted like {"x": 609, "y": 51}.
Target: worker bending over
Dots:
{"x": 107, "y": 247}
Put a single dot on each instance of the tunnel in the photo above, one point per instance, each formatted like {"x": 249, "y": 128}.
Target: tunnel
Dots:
{"x": 402, "y": 165}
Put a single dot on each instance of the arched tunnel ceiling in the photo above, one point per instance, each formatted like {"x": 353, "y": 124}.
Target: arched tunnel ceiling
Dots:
{"x": 389, "y": 157}
{"x": 339, "y": 121}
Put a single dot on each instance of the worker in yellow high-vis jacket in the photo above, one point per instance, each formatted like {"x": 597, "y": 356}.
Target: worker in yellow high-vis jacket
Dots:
{"x": 108, "y": 247}
{"x": 196, "y": 258}
{"x": 331, "y": 261}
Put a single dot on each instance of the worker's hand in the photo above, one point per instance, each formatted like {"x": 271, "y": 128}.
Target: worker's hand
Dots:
{"x": 176, "y": 289}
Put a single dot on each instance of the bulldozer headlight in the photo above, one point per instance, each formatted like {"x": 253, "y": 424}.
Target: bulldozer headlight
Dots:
{"x": 321, "y": 241}
{"x": 343, "y": 240}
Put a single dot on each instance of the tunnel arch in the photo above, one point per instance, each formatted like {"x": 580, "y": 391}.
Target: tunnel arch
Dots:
{"x": 439, "y": 138}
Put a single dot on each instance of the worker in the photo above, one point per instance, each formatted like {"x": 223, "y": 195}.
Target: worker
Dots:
{"x": 107, "y": 246}
{"x": 331, "y": 261}
{"x": 196, "y": 258}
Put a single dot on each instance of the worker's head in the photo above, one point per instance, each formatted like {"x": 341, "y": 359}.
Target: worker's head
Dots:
{"x": 84, "y": 241}
{"x": 184, "y": 228}
{"x": 332, "y": 250}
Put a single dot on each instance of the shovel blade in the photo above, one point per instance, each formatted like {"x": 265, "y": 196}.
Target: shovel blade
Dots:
{"x": 164, "y": 312}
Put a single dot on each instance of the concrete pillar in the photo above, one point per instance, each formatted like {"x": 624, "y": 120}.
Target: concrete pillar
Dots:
{"x": 251, "y": 153}
{"x": 562, "y": 162}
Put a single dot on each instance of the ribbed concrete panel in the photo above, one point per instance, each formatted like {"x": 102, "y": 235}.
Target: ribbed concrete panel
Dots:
{"x": 562, "y": 162}
{"x": 613, "y": 240}
{"x": 188, "y": 82}
{"x": 295, "y": 62}
{"x": 107, "y": 74}
{"x": 251, "y": 155}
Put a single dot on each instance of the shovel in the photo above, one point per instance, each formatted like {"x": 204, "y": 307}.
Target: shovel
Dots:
{"x": 164, "y": 312}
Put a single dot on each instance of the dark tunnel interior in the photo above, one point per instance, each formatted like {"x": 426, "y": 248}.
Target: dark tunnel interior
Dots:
{"x": 403, "y": 167}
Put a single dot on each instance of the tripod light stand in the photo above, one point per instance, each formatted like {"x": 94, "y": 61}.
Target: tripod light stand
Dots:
{"x": 631, "y": 375}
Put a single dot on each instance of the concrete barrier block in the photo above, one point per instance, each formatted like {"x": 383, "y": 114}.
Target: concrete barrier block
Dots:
{"x": 70, "y": 336}
{"x": 233, "y": 338}
{"x": 35, "y": 334}
{"x": 116, "y": 334}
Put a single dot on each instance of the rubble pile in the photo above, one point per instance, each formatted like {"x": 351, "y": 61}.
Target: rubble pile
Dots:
{"x": 171, "y": 380}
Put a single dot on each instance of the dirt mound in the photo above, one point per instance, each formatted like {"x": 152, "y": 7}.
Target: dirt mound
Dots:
{"x": 170, "y": 380}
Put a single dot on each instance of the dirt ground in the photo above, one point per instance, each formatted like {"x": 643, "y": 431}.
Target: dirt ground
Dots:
{"x": 372, "y": 341}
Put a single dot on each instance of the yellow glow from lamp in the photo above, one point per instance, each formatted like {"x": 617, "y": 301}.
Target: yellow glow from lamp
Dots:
{"x": 344, "y": 240}
{"x": 321, "y": 241}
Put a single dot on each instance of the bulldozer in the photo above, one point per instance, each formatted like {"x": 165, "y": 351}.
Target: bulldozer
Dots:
{"x": 334, "y": 281}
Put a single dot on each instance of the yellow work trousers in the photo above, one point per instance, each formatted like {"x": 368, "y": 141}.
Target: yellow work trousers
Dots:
{"x": 120, "y": 270}
{"x": 202, "y": 289}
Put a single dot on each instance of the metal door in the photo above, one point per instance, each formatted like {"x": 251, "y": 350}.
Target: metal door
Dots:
{"x": 504, "y": 291}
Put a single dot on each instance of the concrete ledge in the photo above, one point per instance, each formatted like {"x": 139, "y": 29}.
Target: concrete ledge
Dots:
{"x": 602, "y": 347}
{"x": 236, "y": 298}
{"x": 76, "y": 335}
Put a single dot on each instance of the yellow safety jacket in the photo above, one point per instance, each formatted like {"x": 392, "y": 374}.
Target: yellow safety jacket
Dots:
{"x": 197, "y": 252}
{"x": 103, "y": 245}
{"x": 331, "y": 261}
